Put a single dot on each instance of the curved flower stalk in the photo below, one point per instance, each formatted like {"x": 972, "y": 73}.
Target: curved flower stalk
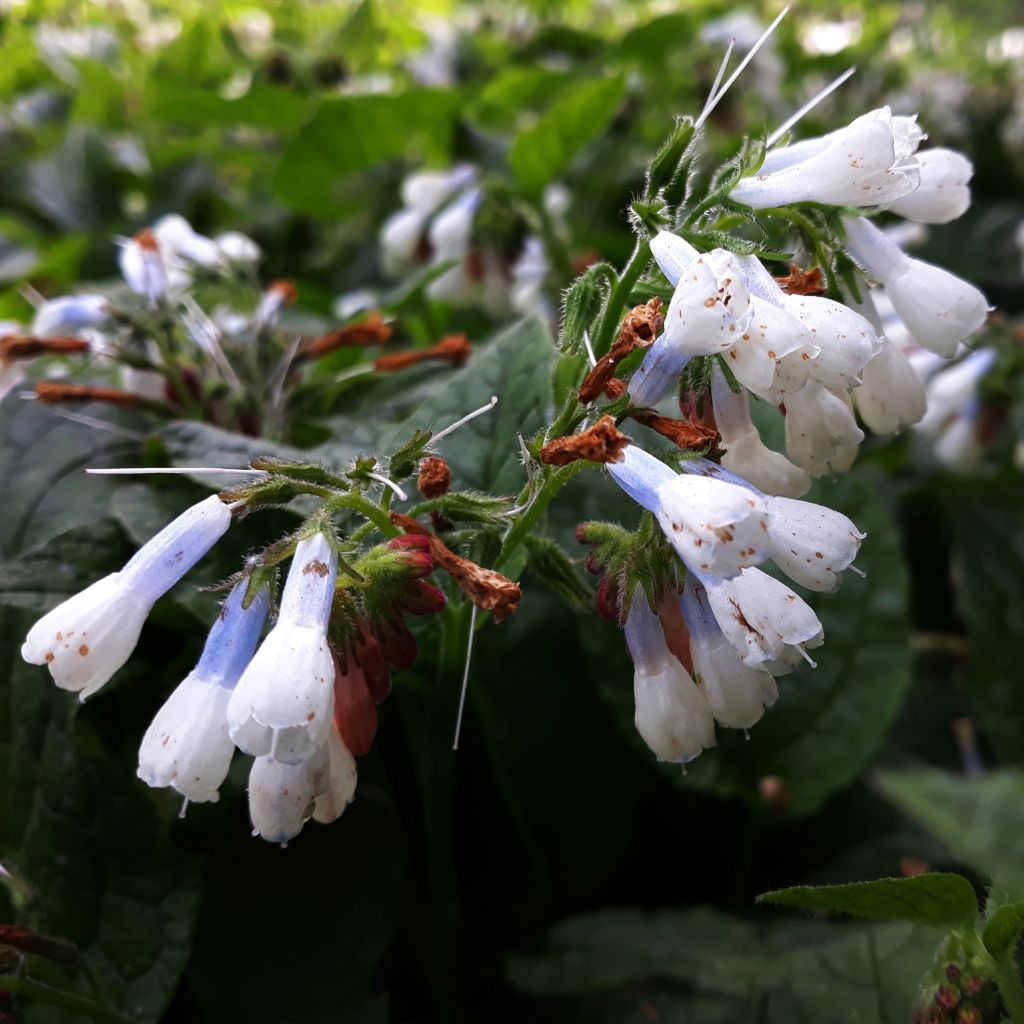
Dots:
{"x": 88, "y": 637}
{"x": 283, "y": 703}
{"x": 187, "y": 745}
{"x": 870, "y": 162}
{"x": 939, "y": 309}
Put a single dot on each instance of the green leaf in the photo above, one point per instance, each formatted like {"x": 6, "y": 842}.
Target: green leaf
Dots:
{"x": 800, "y": 971}
{"x": 988, "y": 558}
{"x": 483, "y": 454}
{"x": 352, "y": 134}
{"x": 939, "y": 899}
{"x": 545, "y": 150}
{"x": 980, "y": 820}
{"x": 263, "y": 106}
{"x": 1002, "y": 930}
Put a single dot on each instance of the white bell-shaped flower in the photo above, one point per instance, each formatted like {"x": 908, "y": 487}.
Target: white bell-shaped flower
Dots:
{"x": 944, "y": 193}
{"x": 180, "y": 243}
{"x": 238, "y": 248}
{"x": 715, "y": 527}
{"x": 870, "y": 162}
{"x": 88, "y": 637}
{"x": 427, "y": 190}
{"x": 187, "y": 745}
{"x": 69, "y": 314}
{"x": 821, "y": 431}
{"x": 737, "y": 693}
{"x": 282, "y": 705}
{"x": 939, "y": 309}
{"x": 282, "y": 796}
{"x": 891, "y": 394}
{"x": 340, "y": 784}
{"x": 746, "y": 454}
{"x": 765, "y": 622}
{"x": 847, "y": 342}
{"x": 400, "y": 237}
{"x": 707, "y": 315}
{"x": 811, "y": 543}
{"x": 672, "y": 714}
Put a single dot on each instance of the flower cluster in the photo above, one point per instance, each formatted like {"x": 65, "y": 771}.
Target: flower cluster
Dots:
{"x": 436, "y": 229}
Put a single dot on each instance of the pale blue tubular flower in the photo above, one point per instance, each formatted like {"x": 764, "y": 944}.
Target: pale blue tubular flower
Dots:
{"x": 187, "y": 745}
{"x": 69, "y": 314}
{"x": 708, "y": 315}
{"x": 737, "y": 693}
{"x": 716, "y": 527}
{"x": 283, "y": 703}
{"x": 939, "y": 309}
{"x": 672, "y": 713}
{"x": 85, "y": 640}
{"x": 870, "y": 162}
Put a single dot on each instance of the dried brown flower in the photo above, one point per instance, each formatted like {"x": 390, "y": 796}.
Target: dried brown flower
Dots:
{"x": 371, "y": 331}
{"x": 600, "y": 443}
{"x": 455, "y": 349}
{"x": 802, "y": 282}
{"x": 639, "y": 329}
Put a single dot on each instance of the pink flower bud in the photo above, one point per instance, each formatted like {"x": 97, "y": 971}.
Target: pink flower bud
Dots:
{"x": 397, "y": 644}
{"x": 371, "y": 661}
{"x": 608, "y": 599}
{"x": 355, "y": 714}
{"x": 424, "y": 599}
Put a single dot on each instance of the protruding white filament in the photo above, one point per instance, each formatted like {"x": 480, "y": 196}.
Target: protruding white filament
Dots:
{"x": 710, "y": 106}
{"x": 808, "y": 106}
{"x": 399, "y": 493}
{"x": 184, "y": 807}
{"x": 721, "y": 72}
{"x": 590, "y": 350}
{"x": 465, "y": 678}
{"x": 860, "y": 572}
{"x": 91, "y": 421}
{"x": 167, "y": 470}
{"x": 465, "y": 419}
{"x": 803, "y": 653}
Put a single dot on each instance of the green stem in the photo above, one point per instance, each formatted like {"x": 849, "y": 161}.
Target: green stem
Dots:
{"x": 619, "y": 297}
{"x": 171, "y": 370}
{"x": 1011, "y": 989}
{"x": 79, "y": 1005}
{"x": 525, "y": 523}
{"x": 357, "y": 503}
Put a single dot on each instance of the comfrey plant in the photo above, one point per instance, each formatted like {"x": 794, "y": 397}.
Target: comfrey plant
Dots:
{"x": 191, "y": 333}
{"x": 684, "y": 341}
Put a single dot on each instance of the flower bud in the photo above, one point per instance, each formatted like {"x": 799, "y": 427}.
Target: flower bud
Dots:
{"x": 435, "y": 478}
{"x": 397, "y": 644}
{"x": 946, "y": 997}
{"x": 424, "y": 599}
{"x": 608, "y": 599}
{"x": 355, "y": 714}
{"x": 582, "y": 303}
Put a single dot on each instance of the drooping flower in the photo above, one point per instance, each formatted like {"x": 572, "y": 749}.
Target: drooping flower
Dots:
{"x": 891, "y": 394}
{"x": 870, "y": 162}
{"x": 672, "y": 713}
{"x": 187, "y": 745}
{"x": 283, "y": 703}
{"x": 69, "y": 314}
{"x": 283, "y": 795}
{"x": 715, "y": 527}
{"x": 944, "y": 193}
{"x": 767, "y": 624}
{"x": 736, "y": 693}
{"x": 950, "y": 424}
{"x": 939, "y": 309}
{"x": 88, "y": 637}
{"x": 822, "y": 435}
{"x": 746, "y": 454}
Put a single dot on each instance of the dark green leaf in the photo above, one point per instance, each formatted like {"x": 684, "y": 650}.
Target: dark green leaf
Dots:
{"x": 544, "y": 151}
{"x": 1002, "y": 930}
{"x": 942, "y": 900}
